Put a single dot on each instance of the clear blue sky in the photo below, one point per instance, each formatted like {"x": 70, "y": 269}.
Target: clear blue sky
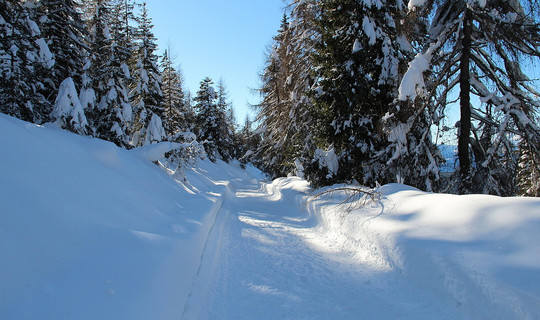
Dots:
{"x": 219, "y": 39}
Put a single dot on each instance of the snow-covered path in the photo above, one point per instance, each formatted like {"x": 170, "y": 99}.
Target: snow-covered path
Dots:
{"x": 92, "y": 231}
{"x": 265, "y": 259}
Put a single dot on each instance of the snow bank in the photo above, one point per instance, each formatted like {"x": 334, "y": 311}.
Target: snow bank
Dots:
{"x": 92, "y": 231}
{"x": 479, "y": 252}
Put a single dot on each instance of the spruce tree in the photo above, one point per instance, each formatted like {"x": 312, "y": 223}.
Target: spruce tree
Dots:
{"x": 25, "y": 63}
{"x": 106, "y": 75}
{"x": 63, "y": 29}
{"x": 146, "y": 93}
{"x": 210, "y": 122}
{"x": 357, "y": 62}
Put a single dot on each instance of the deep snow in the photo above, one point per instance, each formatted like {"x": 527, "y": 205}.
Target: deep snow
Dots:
{"x": 91, "y": 231}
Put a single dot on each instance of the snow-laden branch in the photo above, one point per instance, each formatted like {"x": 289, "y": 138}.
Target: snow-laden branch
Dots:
{"x": 155, "y": 152}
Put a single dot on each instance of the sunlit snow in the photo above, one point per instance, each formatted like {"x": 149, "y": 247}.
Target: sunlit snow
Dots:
{"x": 92, "y": 231}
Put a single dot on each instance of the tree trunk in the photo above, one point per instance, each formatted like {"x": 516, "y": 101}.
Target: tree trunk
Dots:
{"x": 464, "y": 99}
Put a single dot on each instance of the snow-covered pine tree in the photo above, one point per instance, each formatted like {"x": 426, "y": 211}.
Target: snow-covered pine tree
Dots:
{"x": 106, "y": 75}
{"x": 304, "y": 35}
{"x": 226, "y": 138}
{"x": 146, "y": 93}
{"x": 122, "y": 32}
{"x": 175, "y": 114}
{"x": 122, "y": 19}
{"x": 528, "y": 176}
{"x": 357, "y": 63}
{"x": 209, "y": 121}
{"x": 477, "y": 47}
{"x": 62, "y": 27}
{"x": 68, "y": 112}
{"x": 248, "y": 143}
{"x": 25, "y": 63}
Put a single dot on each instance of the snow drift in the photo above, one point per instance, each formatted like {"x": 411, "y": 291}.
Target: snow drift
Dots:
{"x": 479, "y": 252}
{"x": 92, "y": 231}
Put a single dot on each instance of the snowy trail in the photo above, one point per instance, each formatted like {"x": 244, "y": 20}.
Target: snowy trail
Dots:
{"x": 261, "y": 264}
{"x": 91, "y": 231}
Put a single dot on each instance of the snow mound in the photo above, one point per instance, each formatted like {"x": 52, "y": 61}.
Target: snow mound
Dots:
{"x": 478, "y": 252}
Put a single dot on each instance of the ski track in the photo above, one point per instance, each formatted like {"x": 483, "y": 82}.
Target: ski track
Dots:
{"x": 259, "y": 263}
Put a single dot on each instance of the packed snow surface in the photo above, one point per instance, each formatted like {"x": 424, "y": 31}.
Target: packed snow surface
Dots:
{"x": 91, "y": 231}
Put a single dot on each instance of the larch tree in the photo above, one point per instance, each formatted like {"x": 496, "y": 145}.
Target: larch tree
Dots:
{"x": 273, "y": 111}
{"x": 477, "y": 48}
{"x": 283, "y": 115}
{"x": 174, "y": 101}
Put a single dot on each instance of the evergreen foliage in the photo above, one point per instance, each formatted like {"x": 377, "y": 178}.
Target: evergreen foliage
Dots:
{"x": 146, "y": 93}
{"x": 528, "y": 177}
{"x": 357, "y": 67}
{"x": 25, "y": 63}
{"x": 212, "y": 126}
{"x": 63, "y": 29}
{"x": 111, "y": 113}
{"x": 351, "y": 89}
{"x": 248, "y": 142}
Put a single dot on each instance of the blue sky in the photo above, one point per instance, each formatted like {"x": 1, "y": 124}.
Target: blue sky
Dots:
{"x": 219, "y": 39}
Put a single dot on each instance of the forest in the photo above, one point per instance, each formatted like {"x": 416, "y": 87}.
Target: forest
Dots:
{"x": 352, "y": 90}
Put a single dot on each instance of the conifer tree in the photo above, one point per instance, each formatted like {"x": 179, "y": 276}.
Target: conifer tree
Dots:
{"x": 226, "y": 123}
{"x": 357, "y": 60}
{"x": 123, "y": 32}
{"x": 25, "y": 63}
{"x": 174, "y": 101}
{"x": 63, "y": 29}
{"x": 476, "y": 47}
{"x": 283, "y": 117}
{"x": 248, "y": 143}
{"x": 106, "y": 75}
{"x": 122, "y": 19}
{"x": 146, "y": 93}
{"x": 528, "y": 176}
{"x": 210, "y": 122}
{"x": 273, "y": 110}
{"x": 68, "y": 111}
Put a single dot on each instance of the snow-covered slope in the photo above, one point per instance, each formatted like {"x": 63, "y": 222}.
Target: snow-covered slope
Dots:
{"x": 480, "y": 253}
{"x": 91, "y": 231}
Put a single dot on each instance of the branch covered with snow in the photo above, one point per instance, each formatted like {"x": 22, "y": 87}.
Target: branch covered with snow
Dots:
{"x": 156, "y": 151}
{"x": 68, "y": 110}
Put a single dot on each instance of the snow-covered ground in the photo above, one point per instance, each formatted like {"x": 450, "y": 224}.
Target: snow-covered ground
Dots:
{"x": 91, "y": 231}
